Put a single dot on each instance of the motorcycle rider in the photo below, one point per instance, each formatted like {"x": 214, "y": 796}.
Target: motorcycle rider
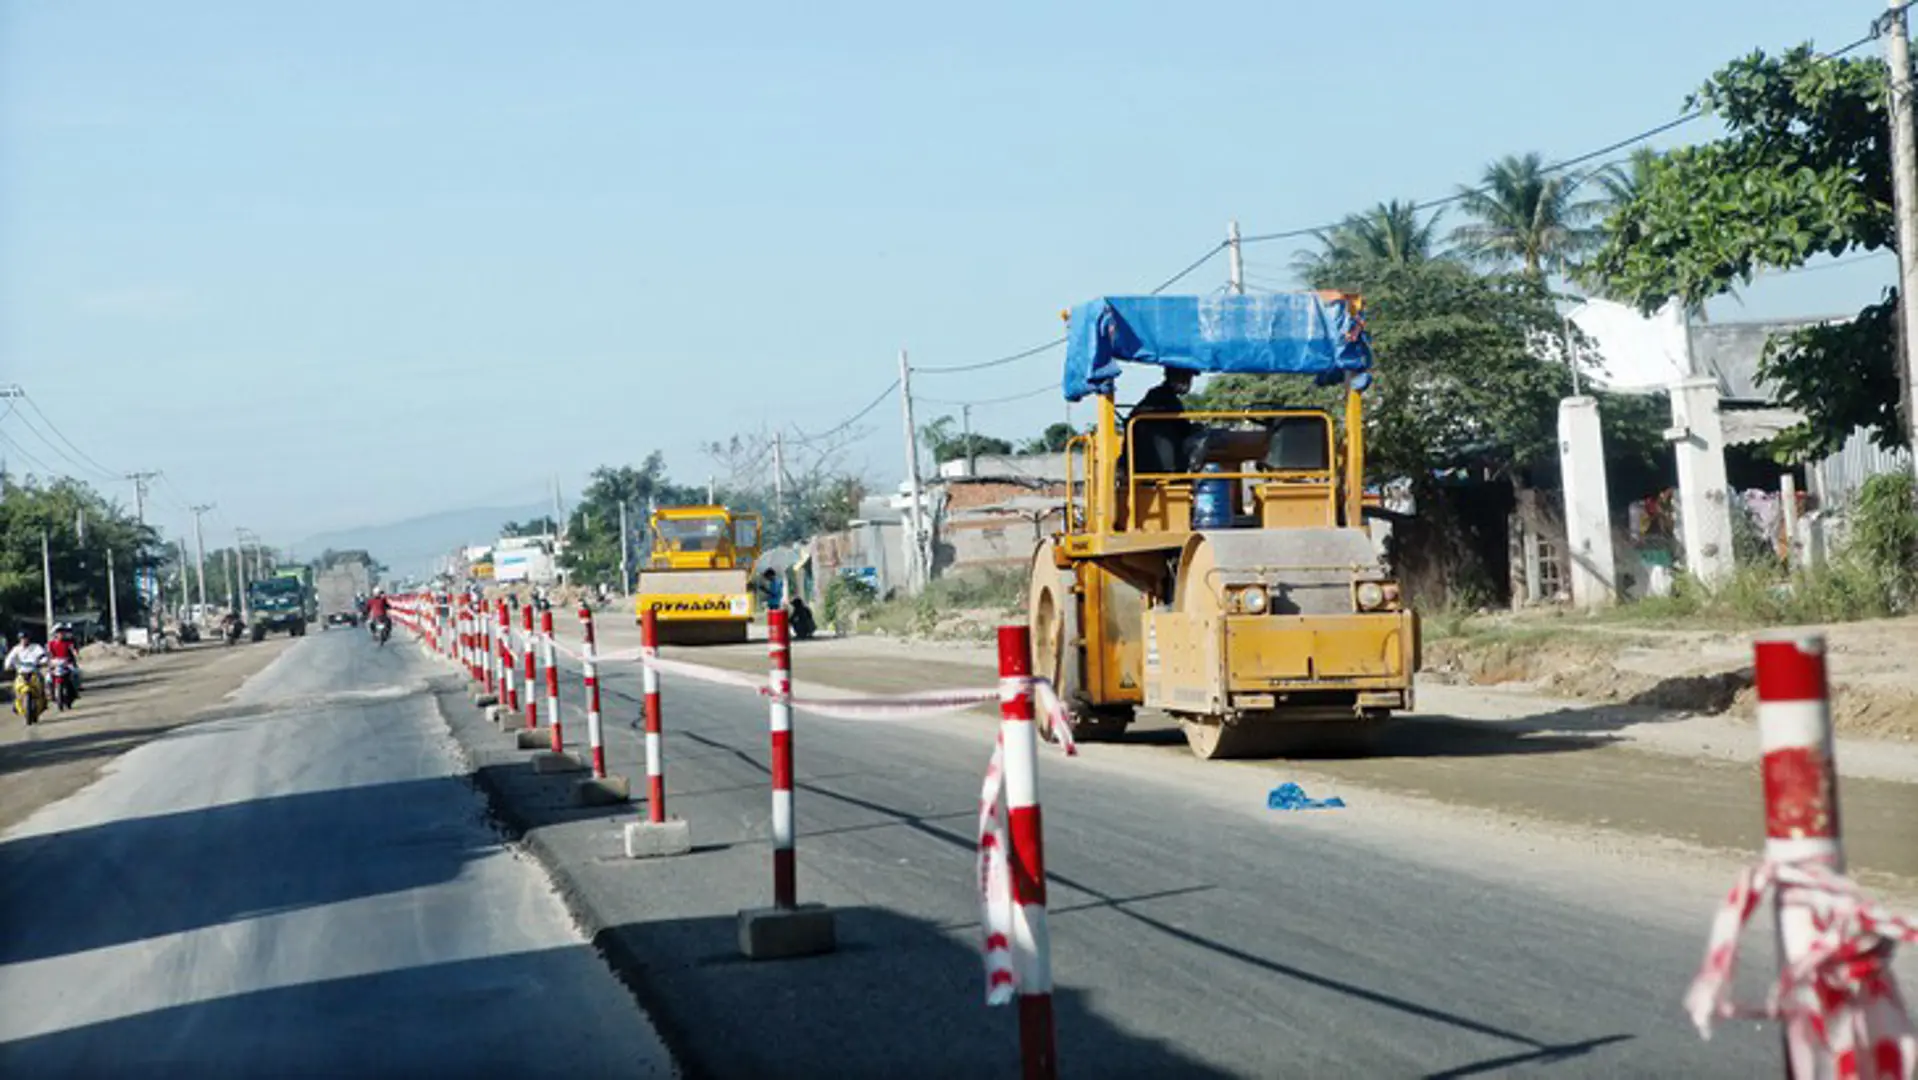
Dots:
{"x": 64, "y": 649}
{"x": 26, "y": 655}
{"x": 376, "y": 607}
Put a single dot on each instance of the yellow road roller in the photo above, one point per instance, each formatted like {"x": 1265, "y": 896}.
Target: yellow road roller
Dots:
{"x": 1216, "y": 565}
{"x": 698, "y": 576}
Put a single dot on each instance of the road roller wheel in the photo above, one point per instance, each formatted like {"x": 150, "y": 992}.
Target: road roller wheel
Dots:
{"x": 1053, "y": 617}
{"x": 1212, "y": 740}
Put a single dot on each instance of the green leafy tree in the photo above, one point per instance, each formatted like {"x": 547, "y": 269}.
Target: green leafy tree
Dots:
{"x": 1051, "y": 441}
{"x": 1392, "y": 232}
{"x": 946, "y": 444}
{"x": 539, "y": 526}
{"x": 80, "y": 525}
{"x": 1527, "y": 215}
{"x": 1803, "y": 170}
{"x": 592, "y": 532}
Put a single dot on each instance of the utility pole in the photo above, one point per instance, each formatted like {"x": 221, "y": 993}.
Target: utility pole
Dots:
{"x": 779, "y": 474}
{"x": 965, "y": 425}
{"x": 915, "y": 545}
{"x": 1904, "y": 190}
{"x": 712, "y": 491}
{"x": 186, "y": 596}
{"x": 140, "y": 480}
{"x": 239, "y": 537}
{"x": 232, "y": 601}
{"x": 199, "y": 544}
{"x": 1235, "y": 258}
{"x": 113, "y": 598}
{"x": 46, "y": 578}
{"x": 559, "y": 522}
{"x": 625, "y": 552}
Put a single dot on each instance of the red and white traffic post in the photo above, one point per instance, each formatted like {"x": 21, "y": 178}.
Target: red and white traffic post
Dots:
{"x": 785, "y": 862}
{"x": 528, "y": 676}
{"x": 1800, "y": 782}
{"x": 785, "y": 929}
{"x": 658, "y": 835}
{"x": 600, "y": 789}
{"x": 552, "y": 677}
{"x": 655, "y": 761}
{"x": 1031, "y": 944}
{"x": 503, "y": 659}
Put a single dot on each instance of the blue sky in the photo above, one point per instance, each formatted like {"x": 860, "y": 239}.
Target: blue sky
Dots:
{"x": 333, "y": 264}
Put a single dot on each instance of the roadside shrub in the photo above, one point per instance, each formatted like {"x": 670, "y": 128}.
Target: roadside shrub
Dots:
{"x": 846, "y": 599}
{"x": 1884, "y": 535}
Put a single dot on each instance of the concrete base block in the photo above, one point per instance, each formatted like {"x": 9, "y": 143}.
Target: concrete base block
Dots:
{"x": 601, "y": 791}
{"x": 535, "y": 738}
{"x": 492, "y": 714}
{"x": 549, "y": 762}
{"x": 654, "y": 840}
{"x": 785, "y": 933}
{"x": 484, "y": 700}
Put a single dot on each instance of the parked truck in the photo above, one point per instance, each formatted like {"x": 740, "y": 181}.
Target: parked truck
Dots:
{"x": 338, "y": 590}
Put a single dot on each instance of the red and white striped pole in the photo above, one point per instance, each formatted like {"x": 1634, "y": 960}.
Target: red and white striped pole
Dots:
{"x": 655, "y": 752}
{"x": 552, "y": 676}
{"x": 503, "y": 625}
{"x": 488, "y": 658}
{"x": 1800, "y": 779}
{"x": 529, "y": 676}
{"x": 589, "y": 664}
{"x": 1031, "y": 944}
{"x": 785, "y": 867}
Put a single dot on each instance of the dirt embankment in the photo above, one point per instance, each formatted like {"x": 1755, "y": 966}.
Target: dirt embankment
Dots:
{"x": 1873, "y": 668}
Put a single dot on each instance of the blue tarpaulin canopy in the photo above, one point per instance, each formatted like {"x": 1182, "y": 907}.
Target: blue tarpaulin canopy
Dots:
{"x": 1269, "y": 333}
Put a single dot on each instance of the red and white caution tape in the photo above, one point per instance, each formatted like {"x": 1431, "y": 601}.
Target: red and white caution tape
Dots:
{"x": 1844, "y": 1018}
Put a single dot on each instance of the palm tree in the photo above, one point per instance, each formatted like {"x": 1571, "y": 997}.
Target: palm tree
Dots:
{"x": 1623, "y": 182}
{"x": 1528, "y": 215}
{"x": 1391, "y": 232}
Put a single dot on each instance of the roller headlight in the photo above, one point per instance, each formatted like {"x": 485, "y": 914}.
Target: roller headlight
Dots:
{"x": 1253, "y": 600}
{"x": 1371, "y": 596}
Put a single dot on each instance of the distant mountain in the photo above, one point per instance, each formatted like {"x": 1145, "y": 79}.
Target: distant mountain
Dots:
{"x": 413, "y": 547}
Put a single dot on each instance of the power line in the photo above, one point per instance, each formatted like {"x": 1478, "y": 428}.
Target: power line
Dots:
{"x": 1022, "y": 395}
{"x": 853, "y": 419}
{"x": 1558, "y": 166}
{"x": 1194, "y": 265}
{"x": 955, "y": 368}
{"x": 55, "y": 428}
{"x": 98, "y": 473}
{"x": 31, "y": 460}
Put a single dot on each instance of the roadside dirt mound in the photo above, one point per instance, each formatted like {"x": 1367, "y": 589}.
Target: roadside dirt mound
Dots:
{"x": 1874, "y": 684}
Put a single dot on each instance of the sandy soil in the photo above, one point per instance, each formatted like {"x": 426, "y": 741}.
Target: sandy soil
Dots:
{"x": 1874, "y": 678}
{"x": 127, "y": 700}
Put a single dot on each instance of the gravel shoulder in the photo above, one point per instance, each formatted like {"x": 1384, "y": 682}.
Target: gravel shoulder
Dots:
{"x": 127, "y": 702}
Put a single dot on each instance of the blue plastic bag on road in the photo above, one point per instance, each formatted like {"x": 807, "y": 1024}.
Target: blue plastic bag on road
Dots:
{"x": 1290, "y": 796}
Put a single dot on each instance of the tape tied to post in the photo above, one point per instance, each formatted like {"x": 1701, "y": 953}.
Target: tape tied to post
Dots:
{"x": 1839, "y": 1001}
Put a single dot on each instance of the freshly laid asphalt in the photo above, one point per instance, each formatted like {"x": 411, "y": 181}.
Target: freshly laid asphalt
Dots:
{"x": 1195, "y": 933}
{"x": 307, "y": 885}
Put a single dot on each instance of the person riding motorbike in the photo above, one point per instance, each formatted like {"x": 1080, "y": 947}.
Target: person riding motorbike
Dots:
{"x": 230, "y": 626}
{"x": 64, "y": 650}
{"x": 27, "y": 659}
{"x": 376, "y": 611}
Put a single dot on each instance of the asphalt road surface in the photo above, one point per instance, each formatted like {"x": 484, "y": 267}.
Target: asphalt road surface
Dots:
{"x": 1195, "y": 932}
{"x": 306, "y": 886}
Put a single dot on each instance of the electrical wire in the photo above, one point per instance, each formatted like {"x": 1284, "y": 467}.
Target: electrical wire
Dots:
{"x": 31, "y": 460}
{"x": 55, "y": 428}
{"x": 1195, "y": 264}
{"x": 853, "y": 419}
{"x": 99, "y": 472}
{"x": 1021, "y": 396}
{"x": 1568, "y": 163}
{"x": 953, "y": 369}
